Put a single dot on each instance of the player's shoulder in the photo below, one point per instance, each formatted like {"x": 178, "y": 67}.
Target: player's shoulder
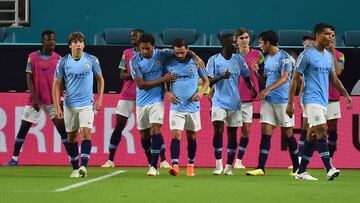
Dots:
{"x": 34, "y": 54}
{"x": 283, "y": 54}
{"x": 56, "y": 56}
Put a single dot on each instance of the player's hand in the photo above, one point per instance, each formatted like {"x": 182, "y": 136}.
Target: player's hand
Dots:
{"x": 171, "y": 97}
{"x": 255, "y": 67}
{"x": 197, "y": 96}
{"x": 97, "y": 104}
{"x": 226, "y": 74}
{"x": 331, "y": 47}
{"x": 36, "y": 104}
{"x": 349, "y": 102}
{"x": 290, "y": 110}
{"x": 211, "y": 93}
{"x": 262, "y": 94}
{"x": 253, "y": 93}
{"x": 170, "y": 77}
{"x": 58, "y": 113}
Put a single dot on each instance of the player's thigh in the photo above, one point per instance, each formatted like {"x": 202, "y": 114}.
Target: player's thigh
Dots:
{"x": 142, "y": 117}
{"x": 247, "y": 112}
{"x": 125, "y": 108}
{"x": 49, "y": 109}
{"x": 177, "y": 120}
{"x": 193, "y": 121}
{"x": 30, "y": 115}
{"x": 86, "y": 117}
{"x": 316, "y": 114}
{"x": 283, "y": 120}
{"x": 333, "y": 110}
{"x": 156, "y": 113}
{"x": 267, "y": 113}
{"x": 71, "y": 119}
{"x": 218, "y": 114}
{"x": 233, "y": 118}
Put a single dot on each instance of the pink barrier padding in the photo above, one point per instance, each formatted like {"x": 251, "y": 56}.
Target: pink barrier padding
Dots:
{"x": 43, "y": 144}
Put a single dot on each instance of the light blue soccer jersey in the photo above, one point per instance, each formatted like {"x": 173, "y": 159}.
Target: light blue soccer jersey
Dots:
{"x": 149, "y": 69}
{"x": 78, "y": 76}
{"x": 226, "y": 94}
{"x": 273, "y": 67}
{"x": 186, "y": 85}
{"x": 315, "y": 67}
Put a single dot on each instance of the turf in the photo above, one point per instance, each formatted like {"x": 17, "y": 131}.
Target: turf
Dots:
{"x": 37, "y": 184}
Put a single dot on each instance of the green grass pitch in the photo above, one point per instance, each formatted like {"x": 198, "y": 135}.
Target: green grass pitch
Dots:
{"x": 39, "y": 184}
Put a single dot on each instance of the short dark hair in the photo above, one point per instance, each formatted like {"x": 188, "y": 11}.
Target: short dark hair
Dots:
{"x": 224, "y": 37}
{"x": 147, "y": 38}
{"x": 241, "y": 31}
{"x": 76, "y": 36}
{"x": 269, "y": 36}
{"x": 141, "y": 31}
{"x": 321, "y": 26}
{"x": 47, "y": 33}
{"x": 179, "y": 42}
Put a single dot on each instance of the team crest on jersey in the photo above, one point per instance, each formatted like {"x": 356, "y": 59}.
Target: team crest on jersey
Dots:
{"x": 276, "y": 65}
{"x": 157, "y": 62}
{"x": 236, "y": 66}
{"x": 87, "y": 65}
{"x": 330, "y": 62}
{"x": 191, "y": 69}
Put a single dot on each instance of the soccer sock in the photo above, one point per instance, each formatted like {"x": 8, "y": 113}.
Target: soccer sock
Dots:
{"x": 64, "y": 136}
{"x": 218, "y": 145}
{"x": 332, "y": 139}
{"x": 20, "y": 137}
{"x": 303, "y": 134}
{"x": 155, "y": 149}
{"x": 115, "y": 140}
{"x": 162, "y": 152}
{"x": 324, "y": 153}
{"x": 175, "y": 151}
{"x": 264, "y": 151}
{"x": 146, "y": 145}
{"x": 192, "y": 145}
{"x": 306, "y": 156}
{"x": 74, "y": 155}
{"x": 242, "y": 147}
{"x": 85, "y": 152}
{"x": 293, "y": 151}
{"x": 231, "y": 150}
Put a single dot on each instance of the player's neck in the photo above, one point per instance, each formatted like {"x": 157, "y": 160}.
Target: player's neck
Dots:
{"x": 76, "y": 56}
{"x": 274, "y": 50}
{"x": 319, "y": 47}
{"x": 244, "y": 50}
{"x": 137, "y": 48}
{"x": 226, "y": 54}
{"x": 46, "y": 52}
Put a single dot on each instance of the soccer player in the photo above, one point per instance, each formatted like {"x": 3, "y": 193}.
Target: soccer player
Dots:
{"x": 333, "y": 109}
{"x": 147, "y": 70}
{"x": 277, "y": 70}
{"x": 40, "y": 71}
{"x": 316, "y": 65}
{"x": 308, "y": 41}
{"x": 126, "y": 104}
{"x": 224, "y": 70}
{"x": 185, "y": 106}
{"x": 254, "y": 59}
{"x": 78, "y": 69}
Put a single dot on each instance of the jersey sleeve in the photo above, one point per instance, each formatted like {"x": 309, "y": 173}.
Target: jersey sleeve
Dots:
{"x": 59, "y": 73}
{"x": 341, "y": 60}
{"x": 201, "y": 72}
{"x": 261, "y": 58}
{"x": 210, "y": 67}
{"x": 301, "y": 63}
{"x": 244, "y": 70}
{"x": 134, "y": 67}
{"x": 96, "y": 66}
{"x": 286, "y": 64}
{"x": 29, "y": 65}
{"x": 122, "y": 64}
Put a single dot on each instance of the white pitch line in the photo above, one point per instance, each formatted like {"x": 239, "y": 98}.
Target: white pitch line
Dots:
{"x": 76, "y": 185}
